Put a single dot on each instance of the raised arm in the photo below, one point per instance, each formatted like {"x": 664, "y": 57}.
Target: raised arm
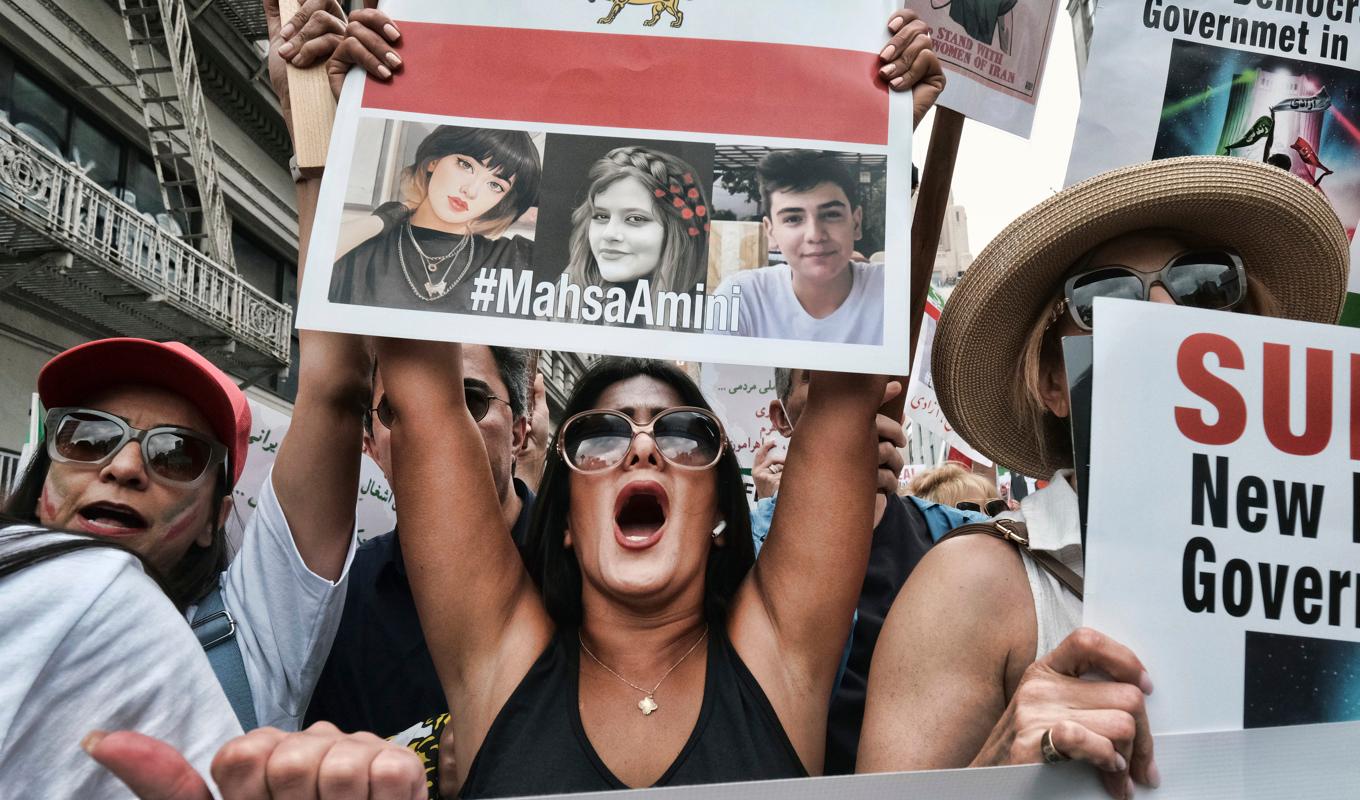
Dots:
{"x": 480, "y": 612}
{"x": 793, "y": 613}
{"x": 316, "y": 474}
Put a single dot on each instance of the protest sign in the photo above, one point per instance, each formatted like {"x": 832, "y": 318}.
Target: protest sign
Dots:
{"x": 1223, "y": 543}
{"x": 1269, "y": 81}
{"x": 375, "y": 512}
{"x": 563, "y": 190}
{"x": 1077, "y": 354}
{"x": 993, "y": 52}
{"x": 740, "y": 396}
{"x": 1308, "y": 761}
{"x": 922, "y": 406}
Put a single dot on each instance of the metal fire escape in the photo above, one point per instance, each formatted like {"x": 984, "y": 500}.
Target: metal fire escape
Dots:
{"x": 177, "y": 122}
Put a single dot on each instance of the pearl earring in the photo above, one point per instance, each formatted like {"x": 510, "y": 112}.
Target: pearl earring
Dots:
{"x": 719, "y": 528}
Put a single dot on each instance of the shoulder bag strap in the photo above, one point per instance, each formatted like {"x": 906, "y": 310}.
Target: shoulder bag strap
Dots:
{"x": 216, "y": 632}
{"x": 1017, "y": 534}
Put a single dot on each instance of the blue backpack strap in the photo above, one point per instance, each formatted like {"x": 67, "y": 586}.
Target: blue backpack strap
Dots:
{"x": 216, "y": 632}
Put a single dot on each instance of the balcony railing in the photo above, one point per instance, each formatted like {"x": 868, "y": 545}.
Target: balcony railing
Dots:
{"x": 9, "y": 472}
{"x": 160, "y": 283}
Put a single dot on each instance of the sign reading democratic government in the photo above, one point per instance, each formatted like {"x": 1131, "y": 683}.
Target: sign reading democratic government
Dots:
{"x": 1223, "y": 541}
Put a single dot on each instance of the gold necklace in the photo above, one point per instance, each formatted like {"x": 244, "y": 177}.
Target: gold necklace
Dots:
{"x": 648, "y": 703}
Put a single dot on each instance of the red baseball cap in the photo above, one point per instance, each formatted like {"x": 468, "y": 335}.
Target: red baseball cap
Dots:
{"x": 73, "y": 376}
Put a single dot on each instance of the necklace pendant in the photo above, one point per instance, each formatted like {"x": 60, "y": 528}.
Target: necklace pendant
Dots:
{"x": 648, "y": 705}
{"x": 435, "y": 289}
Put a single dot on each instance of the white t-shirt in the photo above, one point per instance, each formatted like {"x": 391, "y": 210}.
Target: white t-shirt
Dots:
{"x": 88, "y": 641}
{"x": 1053, "y": 517}
{"x": 770, "y": 310}
{"x": 286, "y": 615}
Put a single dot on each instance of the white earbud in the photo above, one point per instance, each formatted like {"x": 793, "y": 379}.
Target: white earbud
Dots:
{"x": 719, "y": 528}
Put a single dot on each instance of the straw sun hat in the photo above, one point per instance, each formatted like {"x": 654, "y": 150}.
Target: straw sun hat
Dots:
{"x": 1285, "y": 230}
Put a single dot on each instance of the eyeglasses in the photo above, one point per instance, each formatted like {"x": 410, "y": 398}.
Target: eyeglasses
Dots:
{"x": 1211, "y": 279}
{"x": 786, "y": 429}
{"x": 172, "y": 455}
{"x": 478, "y": 402}
{"x": 686, "y": 437}
{"x": 991, "y": 508}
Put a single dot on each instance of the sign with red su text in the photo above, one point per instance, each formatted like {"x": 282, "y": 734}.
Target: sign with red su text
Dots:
{"x": 1223, "y": 545}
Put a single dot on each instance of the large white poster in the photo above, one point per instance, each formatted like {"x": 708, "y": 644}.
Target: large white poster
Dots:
{"x": 922, "y": 406}
{"x": 740, "y": 396}
{"x": 1270, "y": 81}
{"x": 544, "y": 174}
{"x": 993, "y": 52}
{"x": 1222, "y": 545}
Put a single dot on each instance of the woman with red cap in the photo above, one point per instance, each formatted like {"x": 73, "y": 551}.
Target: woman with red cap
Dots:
{"x": 143, "y": 442}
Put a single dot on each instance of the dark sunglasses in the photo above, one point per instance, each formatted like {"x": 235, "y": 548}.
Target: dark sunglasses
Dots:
{"x": 686, "y": 437}
{"x": 1211, "y": 279}
{"x": 478, "y": 400}
{"x": 172, "y": 455}
{"x": 991, "y": 508}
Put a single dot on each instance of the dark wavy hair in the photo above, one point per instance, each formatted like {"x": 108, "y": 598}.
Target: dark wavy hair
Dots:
{"x": 194, "y": 576}
{"x": 683, "y": 262}
{"x": 556, "y": 570}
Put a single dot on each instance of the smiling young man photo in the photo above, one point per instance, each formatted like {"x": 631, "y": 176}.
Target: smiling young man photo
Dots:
{"x": 813, "y": 216}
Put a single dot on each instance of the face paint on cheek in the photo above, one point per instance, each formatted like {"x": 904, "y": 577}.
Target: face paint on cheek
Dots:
{"x": 57, "y": 503}
{"x": 46, "y": 508}
{"x": 185, "y": 519}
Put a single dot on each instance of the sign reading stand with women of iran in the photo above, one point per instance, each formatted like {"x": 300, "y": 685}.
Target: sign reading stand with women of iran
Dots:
{"x": 1223, "y": 544}
{"x": 993, "y": 52}
{"x": 585, "y": 176}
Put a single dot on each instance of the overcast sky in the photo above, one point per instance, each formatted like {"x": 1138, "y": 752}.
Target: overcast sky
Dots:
{"x": 999, "y": 176}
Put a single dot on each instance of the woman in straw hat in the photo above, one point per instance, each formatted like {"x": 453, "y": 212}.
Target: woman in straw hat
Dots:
{"x": 981, "y": 658}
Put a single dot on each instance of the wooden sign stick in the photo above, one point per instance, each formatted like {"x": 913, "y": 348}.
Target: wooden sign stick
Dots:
{"x": 932, "y": 201}
{"x": 309, "y": 92}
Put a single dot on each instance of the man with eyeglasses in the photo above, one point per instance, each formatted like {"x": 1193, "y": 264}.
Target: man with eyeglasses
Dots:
{"x": 379, "y": 676}
{"x": 904, "y": 529}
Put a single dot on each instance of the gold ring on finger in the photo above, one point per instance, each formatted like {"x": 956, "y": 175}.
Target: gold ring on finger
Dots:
{"x": 1052, "y": 755}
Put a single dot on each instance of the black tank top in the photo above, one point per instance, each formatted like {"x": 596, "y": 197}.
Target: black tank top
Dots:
{"x": 537, "y": 744}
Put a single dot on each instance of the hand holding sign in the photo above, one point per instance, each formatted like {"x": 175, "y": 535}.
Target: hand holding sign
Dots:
{"x": 1102, "y": 722}
{"x": 768, "y": 467}
{"x": 319, "y": 762}
{"x": 369, "y": 39}
{"x": 910, "y": 63}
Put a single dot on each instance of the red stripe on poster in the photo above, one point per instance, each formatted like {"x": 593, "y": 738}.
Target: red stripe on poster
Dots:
{"x": 629, "y": 81}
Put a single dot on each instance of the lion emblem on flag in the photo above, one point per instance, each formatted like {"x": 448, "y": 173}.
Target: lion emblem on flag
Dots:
{"x": 670, "y": 6}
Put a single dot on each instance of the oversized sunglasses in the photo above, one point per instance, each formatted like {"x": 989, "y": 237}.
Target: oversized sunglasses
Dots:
{"x": 172, "y": 455}
{"x": 686, "y": 437}
{"x": 1212, "y": 279}
{"x": 478, "y": 400}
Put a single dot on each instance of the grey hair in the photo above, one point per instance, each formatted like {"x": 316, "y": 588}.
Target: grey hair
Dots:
{"x": 513, "y": 365}
{"x": 783, "y": 383}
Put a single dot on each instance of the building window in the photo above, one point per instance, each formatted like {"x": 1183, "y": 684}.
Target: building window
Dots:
{"x": 96, "y": 153}
{"x": 39, "y": 114}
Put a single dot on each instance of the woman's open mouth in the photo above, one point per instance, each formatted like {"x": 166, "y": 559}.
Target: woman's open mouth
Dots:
{"x": 640, "y": 515}
{"x": 110, "y": 519}
{"x": 457, "y": 204}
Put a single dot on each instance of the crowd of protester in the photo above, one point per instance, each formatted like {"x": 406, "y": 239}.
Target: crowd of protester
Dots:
{"x": 490, "y": 644}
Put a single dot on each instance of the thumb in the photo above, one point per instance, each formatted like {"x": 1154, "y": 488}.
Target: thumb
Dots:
{"x": 152, "y": 769}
